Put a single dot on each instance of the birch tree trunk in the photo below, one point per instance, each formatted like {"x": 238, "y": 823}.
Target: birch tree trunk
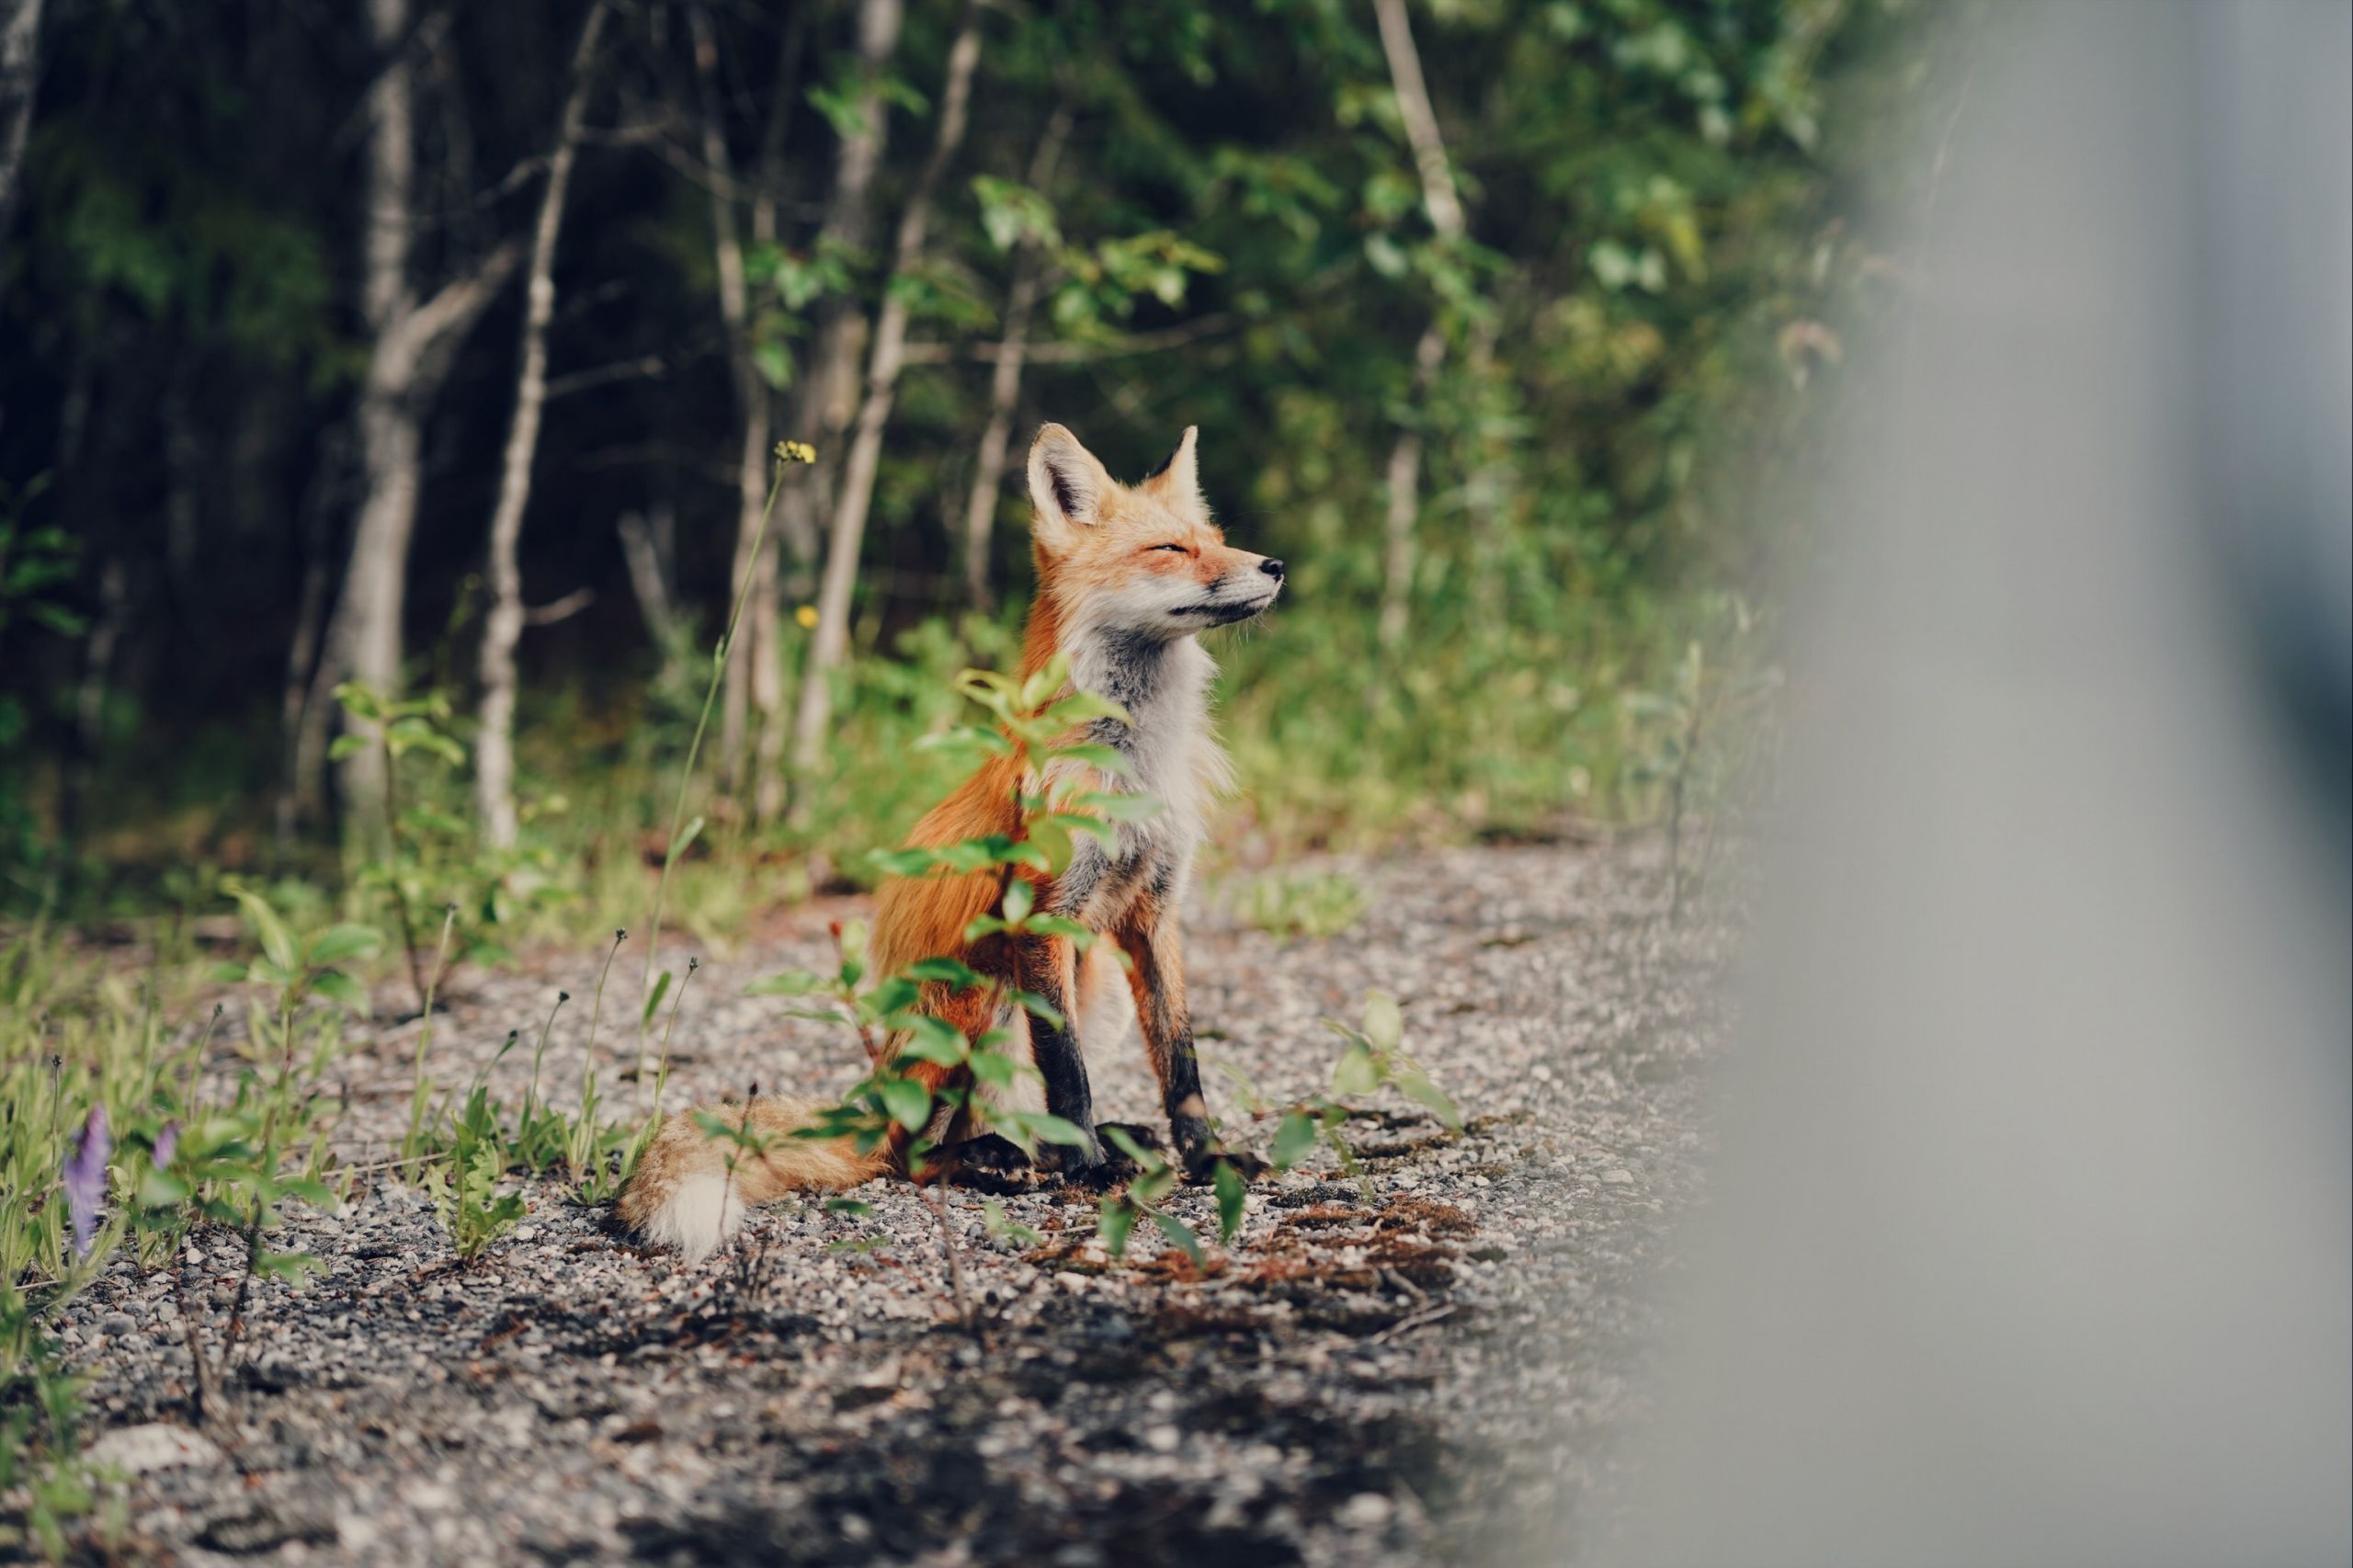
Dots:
{"x": 883, "y": 363}
{"x": 826, "y": 394}
{"x": 754, "y": 684}
{"x": 303, "y": 648}
{"x": 1005, "y": 383}
{"x": 503, "y": 627}
{"x": 19, "y": 81}
{"x": 413, "y": 345}
{"x": 1444, "y": 206}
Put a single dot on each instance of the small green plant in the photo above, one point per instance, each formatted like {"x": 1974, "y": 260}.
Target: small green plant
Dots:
{"x": 465, "y": 1187}
{"x": 428, "y": 854}
{"x": 1374, "y": 1059}
{"x": 681, "y": 832}
{"x": 420, "y": 1099}
{"x": 40, "y": 1414}
{"x": 1694, "y": 739}
{"x": 1300, "y": 905}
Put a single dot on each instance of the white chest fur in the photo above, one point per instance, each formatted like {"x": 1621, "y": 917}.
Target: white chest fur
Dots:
{"x": 1170, "y": 756}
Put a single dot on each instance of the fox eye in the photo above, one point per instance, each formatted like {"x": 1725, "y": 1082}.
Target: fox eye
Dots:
{"x": 1177, "y": 548}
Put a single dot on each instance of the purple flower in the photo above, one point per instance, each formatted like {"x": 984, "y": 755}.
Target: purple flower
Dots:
{"x": 165, "y": 1142}
{"x": 86, "y": 1178}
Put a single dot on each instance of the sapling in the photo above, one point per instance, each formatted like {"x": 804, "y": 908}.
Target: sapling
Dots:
{"x": 787, "y": 452}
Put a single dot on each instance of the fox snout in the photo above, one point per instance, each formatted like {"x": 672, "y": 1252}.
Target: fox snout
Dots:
{"x": 1241, "y": 591}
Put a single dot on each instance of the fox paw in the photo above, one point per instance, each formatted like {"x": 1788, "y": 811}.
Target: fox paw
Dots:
{"x": 989, "y": 1164}
{"x": 1106, "y": 1165}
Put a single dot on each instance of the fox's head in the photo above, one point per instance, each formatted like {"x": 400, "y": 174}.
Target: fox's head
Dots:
{"x": 1142, "y": 558}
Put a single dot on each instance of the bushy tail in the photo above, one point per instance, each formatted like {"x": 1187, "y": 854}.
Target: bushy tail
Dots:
{"x": 683, "y": 1195}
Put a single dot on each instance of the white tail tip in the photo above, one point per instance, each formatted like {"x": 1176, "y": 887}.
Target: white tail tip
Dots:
{"x": 704, "y": 1212}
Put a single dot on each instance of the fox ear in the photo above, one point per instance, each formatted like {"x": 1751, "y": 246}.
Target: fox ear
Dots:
{"x": 1066, "y": 484}
{"x": 1177, "y": 479}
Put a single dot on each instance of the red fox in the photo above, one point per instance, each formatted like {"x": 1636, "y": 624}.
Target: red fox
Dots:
{"x": 1128, "y": 577}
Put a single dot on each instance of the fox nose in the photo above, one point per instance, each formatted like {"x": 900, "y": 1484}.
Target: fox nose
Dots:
{"x": 1272, "y": 568}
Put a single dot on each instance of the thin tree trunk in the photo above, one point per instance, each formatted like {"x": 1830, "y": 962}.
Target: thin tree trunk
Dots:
{"x": 646, "y": 578}
{"x": 831, "y": 638}
{"x": 1445, "y": 209}
{"x": 753, "y": 675}
{"x": 825, "y": 395}
{"x": 1403, "y": 486}
{"x": 19, "y": 81}
{"x": 414, "y": 344}
{"x": 296, "y": 729}
{"x": 1005, "y": 381}
{"x": 503, "y": 629}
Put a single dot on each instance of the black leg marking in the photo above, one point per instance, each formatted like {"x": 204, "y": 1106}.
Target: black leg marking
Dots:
{"x": 1159, "y": 982}
{"x": 1055, "y": 1052}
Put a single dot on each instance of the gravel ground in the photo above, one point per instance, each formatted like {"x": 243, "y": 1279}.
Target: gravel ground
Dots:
{"x": 1436, "y": 1373}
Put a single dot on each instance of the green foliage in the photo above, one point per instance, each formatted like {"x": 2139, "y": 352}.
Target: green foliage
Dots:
{"x": 429, "y": 855}
{"x": 1374, "y": 1059}
{"x": 1300, "y": 905}
{"x": 466, "y": 1188}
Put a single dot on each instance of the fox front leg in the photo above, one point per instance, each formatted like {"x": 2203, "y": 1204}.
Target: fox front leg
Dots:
{"x": 1149, "y": 937}
{"x": 1044, "y": 966}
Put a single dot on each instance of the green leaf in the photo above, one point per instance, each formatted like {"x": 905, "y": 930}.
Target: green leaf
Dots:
{"x": 161, "y": 1189}
{"x": 276, "y": 940}
{"x": 1415, "y": 1085}
{"x": 286, "y": 1265}
{"x": 732, "y": 1128}
{"x": 227, "y": 974}
{"x": 934, "y": 1040}
{"x": 1043, "y": 684}
{"x": 1120, "y": 804}
{"x": 1127, "y": 1144}
{"x": 1356, "y": 1073}
{"x": 1111, "y": 1227}
{"x": 1048, "y": 1128}
{"x": 1384, "y": 1021}
{"x": 340, "y": 944}
{"x": 908, "y": 1102}
{"x": 1068, "y": 822}
{"x": 1232, "y": 1197}
{"x": 1106, "y": 759}
{"x": 1019, "y": 899}
{"x": 1180, "y": 1236}
{"x": 1037, "y": 1007}
{"x": 951, "y": 972}
{"x": 913, "y": 862}
{"x": 309, "y": 1190}
{"x": 1293, "y": 1139}
{"x": 346, "y": 745}
{"x": 1049, "y": 845}
{"x": 654, "y": 998}
{"x": 995, "y": 1069}
{"x": 360, "y": 702}
{"x": 1081, "y": 706}
{"x": 849, "y": 1205}
{"x": 337, "y": 987}
{"x": 686, "y": 839}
